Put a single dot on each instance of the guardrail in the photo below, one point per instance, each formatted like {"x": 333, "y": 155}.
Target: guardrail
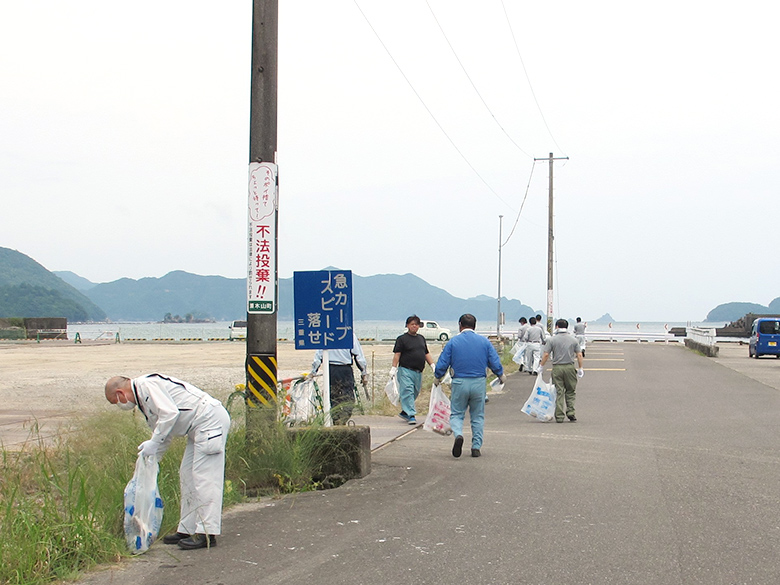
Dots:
{"x": 703, "y": 335}
{"x": 613, "y": 336}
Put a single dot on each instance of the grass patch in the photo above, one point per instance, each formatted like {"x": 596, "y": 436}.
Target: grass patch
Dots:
{"x": 61, "y": 504}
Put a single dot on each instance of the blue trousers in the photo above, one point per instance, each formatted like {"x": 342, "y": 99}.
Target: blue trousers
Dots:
{"x": 468, "y": 393}
{"x": 409, "y": 384}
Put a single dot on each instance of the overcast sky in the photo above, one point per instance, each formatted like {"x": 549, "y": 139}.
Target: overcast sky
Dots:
{"x": 124, "y": 132}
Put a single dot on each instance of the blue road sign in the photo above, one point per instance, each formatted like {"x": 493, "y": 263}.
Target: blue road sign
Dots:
{"x": 323, "y": 309}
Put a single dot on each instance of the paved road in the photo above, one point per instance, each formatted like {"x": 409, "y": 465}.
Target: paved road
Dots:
{"x": 671, "y": 476}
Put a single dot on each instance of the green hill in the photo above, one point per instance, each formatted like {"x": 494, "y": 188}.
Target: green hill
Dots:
{"x": 732, "y": 311}
{"x": 27, "y": 289}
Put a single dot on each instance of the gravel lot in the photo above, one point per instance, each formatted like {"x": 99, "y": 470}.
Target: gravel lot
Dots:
{"x": 52, "y": 381}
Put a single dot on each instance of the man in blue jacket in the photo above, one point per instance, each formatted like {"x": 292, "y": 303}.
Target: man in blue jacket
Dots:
{"x": 470, "y": 355}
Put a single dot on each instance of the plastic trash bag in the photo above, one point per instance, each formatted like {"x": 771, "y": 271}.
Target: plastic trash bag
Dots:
{"x": 519, "y": 355}
{"x": 143, "y": 506}
{"x": 438, "y": 419}
{"x": 391, "y": 389}
{"x": 496, "y": 386}
{"x": 541, "y": 402}
{"x": 302, "y": 402}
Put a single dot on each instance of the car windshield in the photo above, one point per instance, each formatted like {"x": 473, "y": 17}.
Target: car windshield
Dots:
{"x": 769, "y": 327}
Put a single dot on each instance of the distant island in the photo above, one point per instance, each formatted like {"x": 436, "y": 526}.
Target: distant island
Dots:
{"x": 188, "y": 318}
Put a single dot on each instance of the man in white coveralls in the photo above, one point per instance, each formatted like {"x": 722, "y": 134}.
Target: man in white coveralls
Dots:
{"x": 174, "y": 408}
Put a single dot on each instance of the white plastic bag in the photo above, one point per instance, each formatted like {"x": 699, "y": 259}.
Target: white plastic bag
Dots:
{"x": 302, "y": 402}
{"x": 496, "y": 386}
{"x": 438, "y": 419}
{"x": 391, "y": 389}
{"x": 143, "y": 506}
{"x": 541, "y": 402}
{"x": 519, "y": 356}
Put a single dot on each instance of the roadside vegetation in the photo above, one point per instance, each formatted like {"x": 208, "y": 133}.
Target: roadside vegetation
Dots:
{"x": 61, "y": 503}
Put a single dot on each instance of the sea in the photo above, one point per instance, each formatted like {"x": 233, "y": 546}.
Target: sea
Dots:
{"x": 376, "y": 330}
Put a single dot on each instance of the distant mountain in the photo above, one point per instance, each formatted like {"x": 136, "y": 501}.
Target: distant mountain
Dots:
{"x": 605, "y": 318}
{"x": 27, "y": 289}
{"x": 381, "y": 297}
{"x": 178, "y": 293}
{"x": 74, "y": 280}
{"x": 732, "y": 311}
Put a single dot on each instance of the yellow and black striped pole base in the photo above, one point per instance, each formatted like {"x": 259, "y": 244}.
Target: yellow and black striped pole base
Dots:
{"x": 261, "y": 380}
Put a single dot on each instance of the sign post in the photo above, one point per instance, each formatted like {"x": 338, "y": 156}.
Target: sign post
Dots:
{"x": 323, "y": 317}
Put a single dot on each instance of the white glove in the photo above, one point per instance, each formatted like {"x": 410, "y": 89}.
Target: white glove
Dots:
{"x": 580, "y": 373}
{"x": 433, "y": 365}
{"x": 541, "y": 368}
{"x": 393, "y": 371}
{"x": 502, "y": 379}
{"x": 148, "y": 449}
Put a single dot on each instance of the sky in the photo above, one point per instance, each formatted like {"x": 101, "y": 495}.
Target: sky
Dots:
{"x": 407, "y": 133}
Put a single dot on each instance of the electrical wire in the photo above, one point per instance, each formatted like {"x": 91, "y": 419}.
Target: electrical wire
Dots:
{"x": 466, "y": 73}
{"x": 427, "y": 109}
{"x": 533, "y": 93}
{"x": 527, "y": 187}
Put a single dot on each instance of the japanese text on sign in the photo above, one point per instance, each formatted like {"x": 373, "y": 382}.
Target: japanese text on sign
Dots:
{"x": 323, "y": 309}
{"x": 261, "y": 272}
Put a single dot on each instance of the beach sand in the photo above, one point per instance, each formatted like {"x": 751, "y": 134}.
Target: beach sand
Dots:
{"x": 55, "y": 380}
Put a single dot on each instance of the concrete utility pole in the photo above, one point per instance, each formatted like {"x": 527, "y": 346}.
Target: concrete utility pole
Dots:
{"x": 261, "y": 366}
{"x": 550, "y": 239}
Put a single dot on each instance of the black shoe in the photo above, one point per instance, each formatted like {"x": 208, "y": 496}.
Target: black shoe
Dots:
{"x": 175, "y": 537}
{"x": 403, "y": 415}
{"x": 475, "y": 453}
{"x": 573, "y": 418}
{"x": 457, "y": 448}
{"x": 198, "y": 541}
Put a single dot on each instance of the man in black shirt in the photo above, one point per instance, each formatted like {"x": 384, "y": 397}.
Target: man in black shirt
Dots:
{"x": 410, "y": 355}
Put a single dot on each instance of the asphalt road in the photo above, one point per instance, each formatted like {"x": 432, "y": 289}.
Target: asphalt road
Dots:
{"x": 670, "y": 476}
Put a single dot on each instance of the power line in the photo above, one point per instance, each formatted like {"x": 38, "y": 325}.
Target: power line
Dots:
{"x": 472, "y": 82}
{"x": 427, "y": 109}
{"x": 527, "y": 187}
{"x": 533, "y": 93}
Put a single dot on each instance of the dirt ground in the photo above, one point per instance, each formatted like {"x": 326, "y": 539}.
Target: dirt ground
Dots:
{"x": 53, "y": 380}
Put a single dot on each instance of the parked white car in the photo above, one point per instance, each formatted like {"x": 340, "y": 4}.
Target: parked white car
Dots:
{"x": 237, "y": 330}
{"x": 431, "y": 330}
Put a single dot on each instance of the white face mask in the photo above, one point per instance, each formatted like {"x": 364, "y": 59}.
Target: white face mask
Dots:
{"x": 125, "y": 405}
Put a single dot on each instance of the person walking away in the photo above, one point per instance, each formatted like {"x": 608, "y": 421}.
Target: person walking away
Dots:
{"x": 410, "y": 354}
{"x": 174, "y": 408}
{"x": 534, "y": 336}
{"x": 520, "y": 335}
{"x": 469, "y": 355}
{"x": 564, "y": 349}
{"x": 579, "y": 333}
{"x": 342, "y": 378}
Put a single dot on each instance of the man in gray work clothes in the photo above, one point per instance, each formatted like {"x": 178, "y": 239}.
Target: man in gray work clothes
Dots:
{"x": 564, "y": 348}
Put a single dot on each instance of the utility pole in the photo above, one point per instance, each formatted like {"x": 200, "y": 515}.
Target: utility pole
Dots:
{"x": 261, "y": 365}
{"x": 550, "y": 239}
{"x": 498, "y": 317}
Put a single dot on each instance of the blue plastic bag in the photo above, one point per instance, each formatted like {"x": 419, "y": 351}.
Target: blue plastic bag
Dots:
{"x": 143, "y": 506}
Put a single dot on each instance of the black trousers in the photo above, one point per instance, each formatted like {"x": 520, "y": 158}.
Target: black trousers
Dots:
{"x": 342, "y": 393}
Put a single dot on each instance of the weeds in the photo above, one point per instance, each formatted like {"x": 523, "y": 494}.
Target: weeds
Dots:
{"x": 61, "y": 504}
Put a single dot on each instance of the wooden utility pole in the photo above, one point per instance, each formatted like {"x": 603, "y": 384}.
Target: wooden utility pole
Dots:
{"x": 261, "y": 367}
{"x": 550, "y": 241}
